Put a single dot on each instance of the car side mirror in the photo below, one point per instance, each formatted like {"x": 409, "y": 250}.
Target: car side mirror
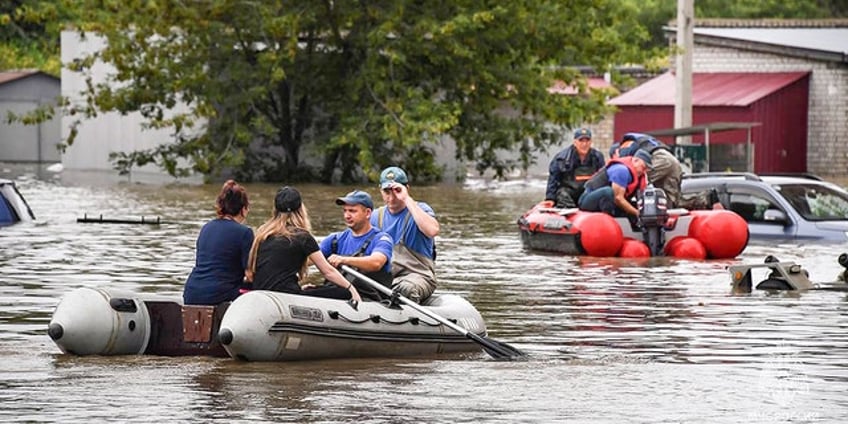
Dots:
{"x": 775, "y": 215}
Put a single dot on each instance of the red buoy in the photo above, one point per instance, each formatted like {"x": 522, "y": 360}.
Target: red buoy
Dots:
{"x": 632, "y": 248}
{"x": 600, "y": 235}
{"x": 685, "y": 248}
{"x": 723, "y": 233}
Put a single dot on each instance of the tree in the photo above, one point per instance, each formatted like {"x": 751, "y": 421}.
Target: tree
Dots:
{"x": 655, "y": 14}
{"x": 29, "y": 33}
{"x": 368, "y": 82}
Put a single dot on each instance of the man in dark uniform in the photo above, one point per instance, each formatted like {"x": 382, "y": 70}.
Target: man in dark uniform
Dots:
{"x": 571, "y": 168}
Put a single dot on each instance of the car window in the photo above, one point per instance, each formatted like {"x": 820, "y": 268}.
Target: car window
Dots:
{"x": 752, "y": 207}
{"x": 816, "y": 202}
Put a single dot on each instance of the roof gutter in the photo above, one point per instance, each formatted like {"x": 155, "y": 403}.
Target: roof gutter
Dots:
{"x": 712, "y": 40}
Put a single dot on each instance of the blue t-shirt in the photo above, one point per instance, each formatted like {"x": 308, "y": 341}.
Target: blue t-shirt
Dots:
{"x": 349, "y": 244}
{"x": 619, "y": 173}
{"x": 221, "y": 258}
{"x": 412, "y": 237}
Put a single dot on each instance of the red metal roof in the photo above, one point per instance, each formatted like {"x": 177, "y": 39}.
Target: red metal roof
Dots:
{"x": 710, "y": 89}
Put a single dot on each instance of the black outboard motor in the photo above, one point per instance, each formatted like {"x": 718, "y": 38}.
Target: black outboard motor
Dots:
{"x": 653, "y": 215}
{"x": 843, "y": 260}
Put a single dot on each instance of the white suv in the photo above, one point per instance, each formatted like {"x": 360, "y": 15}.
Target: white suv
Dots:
{"x": 789, "y": 206}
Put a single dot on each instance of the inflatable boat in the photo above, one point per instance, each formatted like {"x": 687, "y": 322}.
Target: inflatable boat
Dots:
{"x": 99, "y": 321}
{"x": 697, "y": 234}
{"x": 272, "y": 326}
{"x": 258, "y": 326}
{"x": 13, "y": 207}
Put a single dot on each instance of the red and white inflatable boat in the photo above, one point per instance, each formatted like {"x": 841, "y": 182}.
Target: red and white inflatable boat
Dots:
{"x": 697, "y": 234}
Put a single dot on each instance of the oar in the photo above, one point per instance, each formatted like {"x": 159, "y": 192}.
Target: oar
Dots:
{"x": 496, "y": 349}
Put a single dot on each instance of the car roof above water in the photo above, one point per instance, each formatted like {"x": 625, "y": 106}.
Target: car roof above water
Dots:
{"x": 710, "y": 178}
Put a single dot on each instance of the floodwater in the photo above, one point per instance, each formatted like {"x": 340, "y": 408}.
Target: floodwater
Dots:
{"x": 609, "y": 341}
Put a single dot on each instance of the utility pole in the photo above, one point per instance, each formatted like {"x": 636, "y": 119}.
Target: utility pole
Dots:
{"x": 683, "y": 68}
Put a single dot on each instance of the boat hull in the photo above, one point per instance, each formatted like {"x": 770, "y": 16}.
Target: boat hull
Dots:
{"x": 718, "y": 234}
{"x": 100, "y": 321}
{"x": 568, "y": 244}
{"x": 271, "y": 326}
{"x": 258, "y": 326}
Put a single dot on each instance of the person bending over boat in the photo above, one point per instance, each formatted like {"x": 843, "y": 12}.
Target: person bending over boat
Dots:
{"x": 282, "y": 249}
{"x": 360, "y": 246}
{"x": 571, "y": 168}
{"x": 223, "y": 247}
{"x": 611, "y": 188}
{"x": 413, "y": 227}
{"x": 666, "y": 171}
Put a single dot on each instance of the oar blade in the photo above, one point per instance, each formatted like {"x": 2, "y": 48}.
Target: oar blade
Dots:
{"x": 496, "y": 349}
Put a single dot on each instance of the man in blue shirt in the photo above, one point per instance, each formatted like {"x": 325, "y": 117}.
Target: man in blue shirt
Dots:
{"x": 360, "y": 246}
{"x": 610, "y": 189}
{"x": 666, "y": 172}
{"x": 413, "y": 227}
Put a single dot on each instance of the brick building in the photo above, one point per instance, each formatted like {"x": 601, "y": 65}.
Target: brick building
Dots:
{"x": 817, "y": 46}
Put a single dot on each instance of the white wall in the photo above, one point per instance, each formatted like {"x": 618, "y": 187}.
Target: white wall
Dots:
{"x": 107, "y": 132}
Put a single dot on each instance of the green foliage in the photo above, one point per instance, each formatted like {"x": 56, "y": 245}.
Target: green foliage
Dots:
{"x": 773, "y": 9}
{"x": 367, "y": 84}
{"x": 655, "y": 14}
{"x": 29, "y": 33}
{"x": 363, "y": 84}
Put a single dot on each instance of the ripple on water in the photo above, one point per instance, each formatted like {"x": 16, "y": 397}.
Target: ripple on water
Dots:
{"x": 610, "y": 340}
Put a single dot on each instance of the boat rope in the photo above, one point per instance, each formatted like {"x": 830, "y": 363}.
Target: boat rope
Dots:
{"x": 376, "y": 318}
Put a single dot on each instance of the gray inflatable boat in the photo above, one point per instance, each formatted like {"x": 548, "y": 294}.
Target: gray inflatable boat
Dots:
{"x": 271, "y": 326}
{"x": 258, "y": 326}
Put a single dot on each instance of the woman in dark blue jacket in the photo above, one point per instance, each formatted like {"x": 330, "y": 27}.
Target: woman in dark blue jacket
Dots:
{"x": 223, "y": 247}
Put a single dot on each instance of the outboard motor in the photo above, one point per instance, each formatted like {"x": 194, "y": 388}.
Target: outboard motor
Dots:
{"x": 843, "y": 260}
{"x": 653, "y": 215}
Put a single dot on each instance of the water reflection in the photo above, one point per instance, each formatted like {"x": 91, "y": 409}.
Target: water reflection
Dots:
{"x": 611, "y": 340}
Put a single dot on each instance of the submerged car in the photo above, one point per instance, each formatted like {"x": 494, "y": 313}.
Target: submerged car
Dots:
{"x": 13, "y": 207}
{"x": 786, "y": 206}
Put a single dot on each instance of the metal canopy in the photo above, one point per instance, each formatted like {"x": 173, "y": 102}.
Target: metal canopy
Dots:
{"x": 706, "y": 129}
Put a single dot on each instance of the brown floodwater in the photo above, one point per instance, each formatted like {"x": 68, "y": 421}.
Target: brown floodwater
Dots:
{"x": 609, "y": 340}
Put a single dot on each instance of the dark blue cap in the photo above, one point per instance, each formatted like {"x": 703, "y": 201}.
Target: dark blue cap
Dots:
{"x": 356, "y": 197}
{"x": 583, "y": 133}
{"x": 613, "y": 148}
{"x": 645, "y": 156}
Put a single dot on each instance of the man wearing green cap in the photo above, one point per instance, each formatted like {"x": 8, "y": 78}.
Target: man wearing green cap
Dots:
{"x": 413, "y": 226}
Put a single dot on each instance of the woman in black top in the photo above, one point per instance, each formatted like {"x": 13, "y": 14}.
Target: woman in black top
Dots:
{"x": 282, "y": 248}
